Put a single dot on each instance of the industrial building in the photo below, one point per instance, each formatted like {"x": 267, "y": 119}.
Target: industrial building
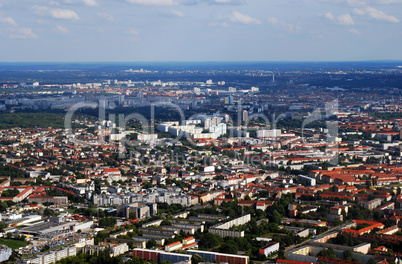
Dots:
{"x": 45, "y": 228}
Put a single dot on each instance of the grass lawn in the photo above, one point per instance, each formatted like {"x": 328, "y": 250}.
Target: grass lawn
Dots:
{"x": 14, "y": 244}
{"x": 270, "y": 235}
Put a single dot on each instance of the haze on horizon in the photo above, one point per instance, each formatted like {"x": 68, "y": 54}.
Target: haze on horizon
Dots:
{"x": 200, "y": 30}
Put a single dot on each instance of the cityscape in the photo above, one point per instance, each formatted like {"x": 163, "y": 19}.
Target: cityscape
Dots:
{"x": 200, "y": 132}
{"x": 298, "y": 164}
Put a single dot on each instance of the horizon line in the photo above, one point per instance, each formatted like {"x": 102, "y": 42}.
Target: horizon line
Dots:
{"x": 217, "y": 61}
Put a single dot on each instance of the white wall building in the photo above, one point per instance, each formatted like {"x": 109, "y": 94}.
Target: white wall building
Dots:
{"x": 5, "y": 253}
{"x": 269, "y": 133}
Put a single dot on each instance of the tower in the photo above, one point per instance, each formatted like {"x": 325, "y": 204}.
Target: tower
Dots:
{"x": 245, "y": 116}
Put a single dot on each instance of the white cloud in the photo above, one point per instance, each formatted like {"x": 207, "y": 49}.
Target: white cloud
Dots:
{"x": 284, "y": 25}
{"x": 61, "y": 29}
{"x": 332, "y": 1}
{"x": 57, "y": 13}
{"x": 85, "y": 2}
{"x": 8, "y": 20}
{"x": 106, "y": 16}
{"x": 354, "y": 3}
{"x": 273, "y": 20}
{"x": 387, "y": 2}
{"x": 153, "y": 2}
{"x": 54, "y": 3}
{"x": 236, "y": 16}
{"x": 22, "y": 33}
{"x": 345, "y": 19}
{"x": 329, "y": 16}
{"x": 211, "y": 2}
{"x": 175, "y": 13}
{"x": 376, "y": 14}
{"x": 292, "y": 28}
{"x": 90, "y": 2}
{"x": 362, "y": 3}
{"x": 225, "y": 2}
{"x": 132, "y": 32}
{"x": 354, "y": 31}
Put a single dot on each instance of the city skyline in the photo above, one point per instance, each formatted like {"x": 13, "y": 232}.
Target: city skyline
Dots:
{"x": 199, "y": 30}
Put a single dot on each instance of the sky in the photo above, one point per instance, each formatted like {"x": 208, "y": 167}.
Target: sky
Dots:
{"x": 199, "y": 30}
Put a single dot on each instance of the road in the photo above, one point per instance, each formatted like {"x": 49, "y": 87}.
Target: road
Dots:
{"x": 340, "y": 228}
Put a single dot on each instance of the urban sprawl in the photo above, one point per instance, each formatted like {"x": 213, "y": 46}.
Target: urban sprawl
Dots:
{"x": 289, "y": 166}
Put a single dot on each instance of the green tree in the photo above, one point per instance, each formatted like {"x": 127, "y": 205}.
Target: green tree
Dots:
{"x": 327, "y": 253}
{"x": 166, "y": 222}
{"x": 209, "y": 240}
{"x": 151, "y": 243}
{"x": 107, "y": 222}
{"x": 132, "y": 215}
{"x": 195, "y": 259}
{"x": 2, "y": 226}
{"x": 347, "y": 255}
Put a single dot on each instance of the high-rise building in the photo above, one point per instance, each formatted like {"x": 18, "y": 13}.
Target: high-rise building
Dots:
{"x": 227, "y": 118}
{"x": 245, "y": 116}
{"x": 255, "y": 89}
{"x": 215, "y": 121}
{"x": 229, "y": 100}
{"x": 121, "y": 99}
{"x": 207, "y": 123}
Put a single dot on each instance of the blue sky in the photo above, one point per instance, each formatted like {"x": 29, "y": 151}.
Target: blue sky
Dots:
{"x": 200, "y": 30}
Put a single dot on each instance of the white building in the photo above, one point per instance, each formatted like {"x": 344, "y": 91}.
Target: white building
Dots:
{"x": 269, "y": 248}
{"x": 308, "y": 180}
{"x": 173, "y": 246}
{"x": 147, "y": 137}
{"x": 5, "y": 253}
{"x": 116, "y": 250}
{"x": 191, "y": 131}
{"x": 269, "y": 133}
